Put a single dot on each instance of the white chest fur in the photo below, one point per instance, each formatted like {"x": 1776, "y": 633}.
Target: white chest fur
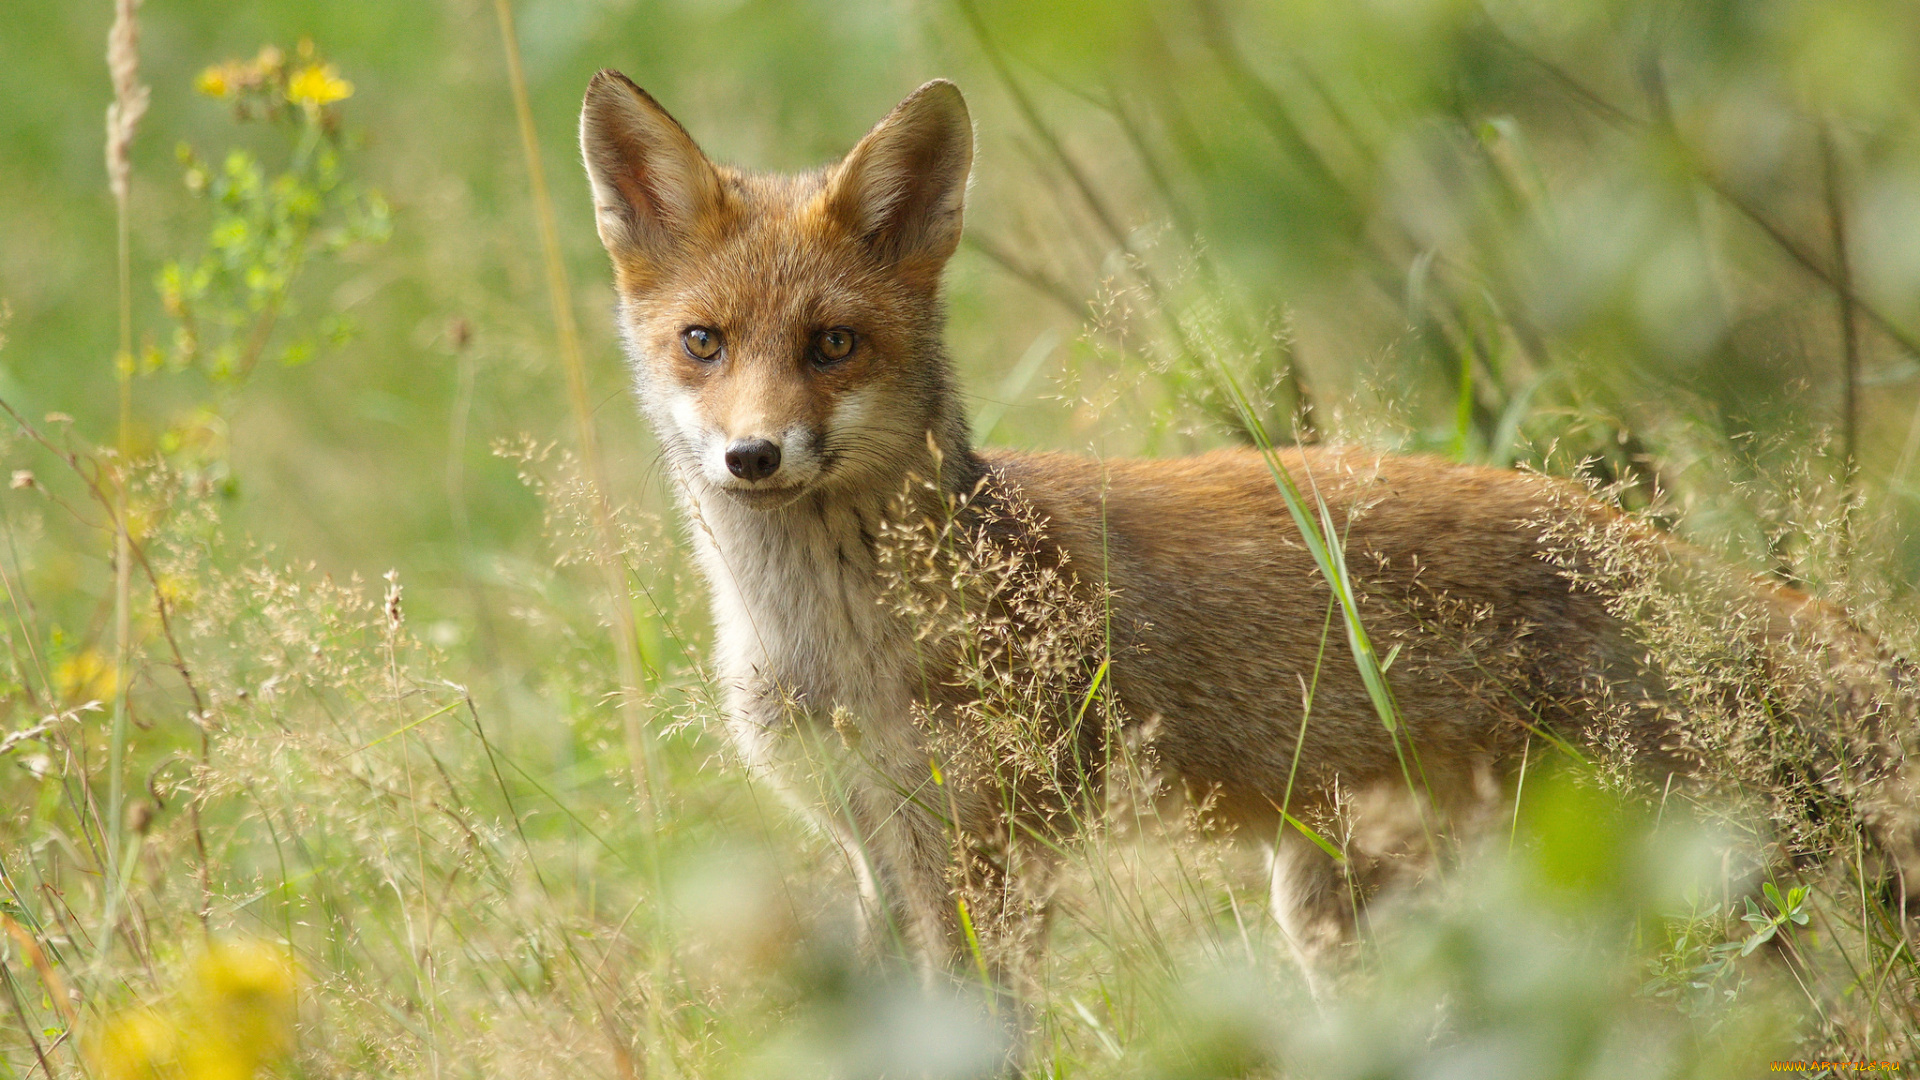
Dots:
{"x": 803, "y": 634}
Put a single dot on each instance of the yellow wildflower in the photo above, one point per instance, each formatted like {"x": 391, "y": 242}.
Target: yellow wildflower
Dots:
{"x": 213, "y": 82}
{"x": 316, "y": 85}
{"x": 234, "y": 1018}
{"x": 85, "y": 676}
{"x": 136, "y": 1044}
{"x": 240, "y": 1011}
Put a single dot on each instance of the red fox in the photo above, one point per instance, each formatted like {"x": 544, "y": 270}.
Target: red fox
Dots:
{"x": 785, "y": 337}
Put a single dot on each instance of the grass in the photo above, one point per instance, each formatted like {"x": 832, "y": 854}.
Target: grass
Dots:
{"x": 362, "y": 822}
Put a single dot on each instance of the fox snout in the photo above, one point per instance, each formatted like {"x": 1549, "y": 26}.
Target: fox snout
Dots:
{"x": 747, "y": 450}
{"x": 753, "y": 459}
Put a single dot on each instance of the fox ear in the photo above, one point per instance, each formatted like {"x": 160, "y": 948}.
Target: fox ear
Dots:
{"x": 652, "y": 187}
{"x": 903, "y": 187}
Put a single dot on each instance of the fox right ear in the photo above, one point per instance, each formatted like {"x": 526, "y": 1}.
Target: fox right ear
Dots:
{"x": 652, "y": 187}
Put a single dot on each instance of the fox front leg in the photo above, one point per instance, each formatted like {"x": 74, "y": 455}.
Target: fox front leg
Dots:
{"x": 907, "y": 854}
{"x": 959, "y": 908}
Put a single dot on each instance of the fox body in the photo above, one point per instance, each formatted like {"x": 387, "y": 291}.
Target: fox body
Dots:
{"x": 785, "y": 335}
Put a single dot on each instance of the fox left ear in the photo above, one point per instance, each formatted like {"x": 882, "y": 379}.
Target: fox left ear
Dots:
{"x": 903, "y": 187}
{"x": 652, "y": 187}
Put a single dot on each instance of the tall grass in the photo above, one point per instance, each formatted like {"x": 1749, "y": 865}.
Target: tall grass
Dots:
{"x": 266, "y": 815}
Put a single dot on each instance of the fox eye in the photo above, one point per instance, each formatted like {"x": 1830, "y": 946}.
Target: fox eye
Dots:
{"x": 835, "y": 344}
{"x": 703, "y": 343}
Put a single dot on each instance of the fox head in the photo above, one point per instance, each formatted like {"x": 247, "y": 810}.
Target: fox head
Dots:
{"x": 784, "y": 331}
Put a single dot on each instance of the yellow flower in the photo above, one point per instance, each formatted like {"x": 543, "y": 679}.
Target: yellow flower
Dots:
{"x": 246, "y": 976}
{"x": 213, "y": 82}
{"x": 240, "y": 1011}
{"x": 316, "y": 85}
{"x": 135, "y": 1044}
{"x": 85, "y": 676}
{"x": 234, "y": 1017}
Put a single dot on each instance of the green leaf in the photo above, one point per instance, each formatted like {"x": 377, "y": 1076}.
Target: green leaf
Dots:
{"x": 1319, "y": 841}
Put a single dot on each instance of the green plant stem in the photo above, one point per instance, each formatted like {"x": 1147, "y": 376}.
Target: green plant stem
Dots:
{"x": 560, "y": 294}
{"x": 123, "y": 363}
{"x": 1849, "y": 335}
{"x": 26, "y": 1027}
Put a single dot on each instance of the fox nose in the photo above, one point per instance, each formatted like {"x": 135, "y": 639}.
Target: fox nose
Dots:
{"x": 753, "y": 459}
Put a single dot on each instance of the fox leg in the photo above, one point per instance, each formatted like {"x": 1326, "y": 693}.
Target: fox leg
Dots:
{"x": 1311, "y": 902}
{"x": 871, "y": 917}
{"x": 962, "y": 903}
{"x": 908, "y": 856}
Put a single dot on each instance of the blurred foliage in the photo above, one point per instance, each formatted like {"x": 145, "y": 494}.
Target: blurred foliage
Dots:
{"x": 1672, "y": 245}
{"x": 1518, "y": 969}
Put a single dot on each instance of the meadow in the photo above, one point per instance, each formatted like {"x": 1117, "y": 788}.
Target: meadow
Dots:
{"x": 355, "y": 718}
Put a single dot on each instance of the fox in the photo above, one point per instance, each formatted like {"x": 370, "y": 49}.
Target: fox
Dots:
{"x": 785, "y": 336}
